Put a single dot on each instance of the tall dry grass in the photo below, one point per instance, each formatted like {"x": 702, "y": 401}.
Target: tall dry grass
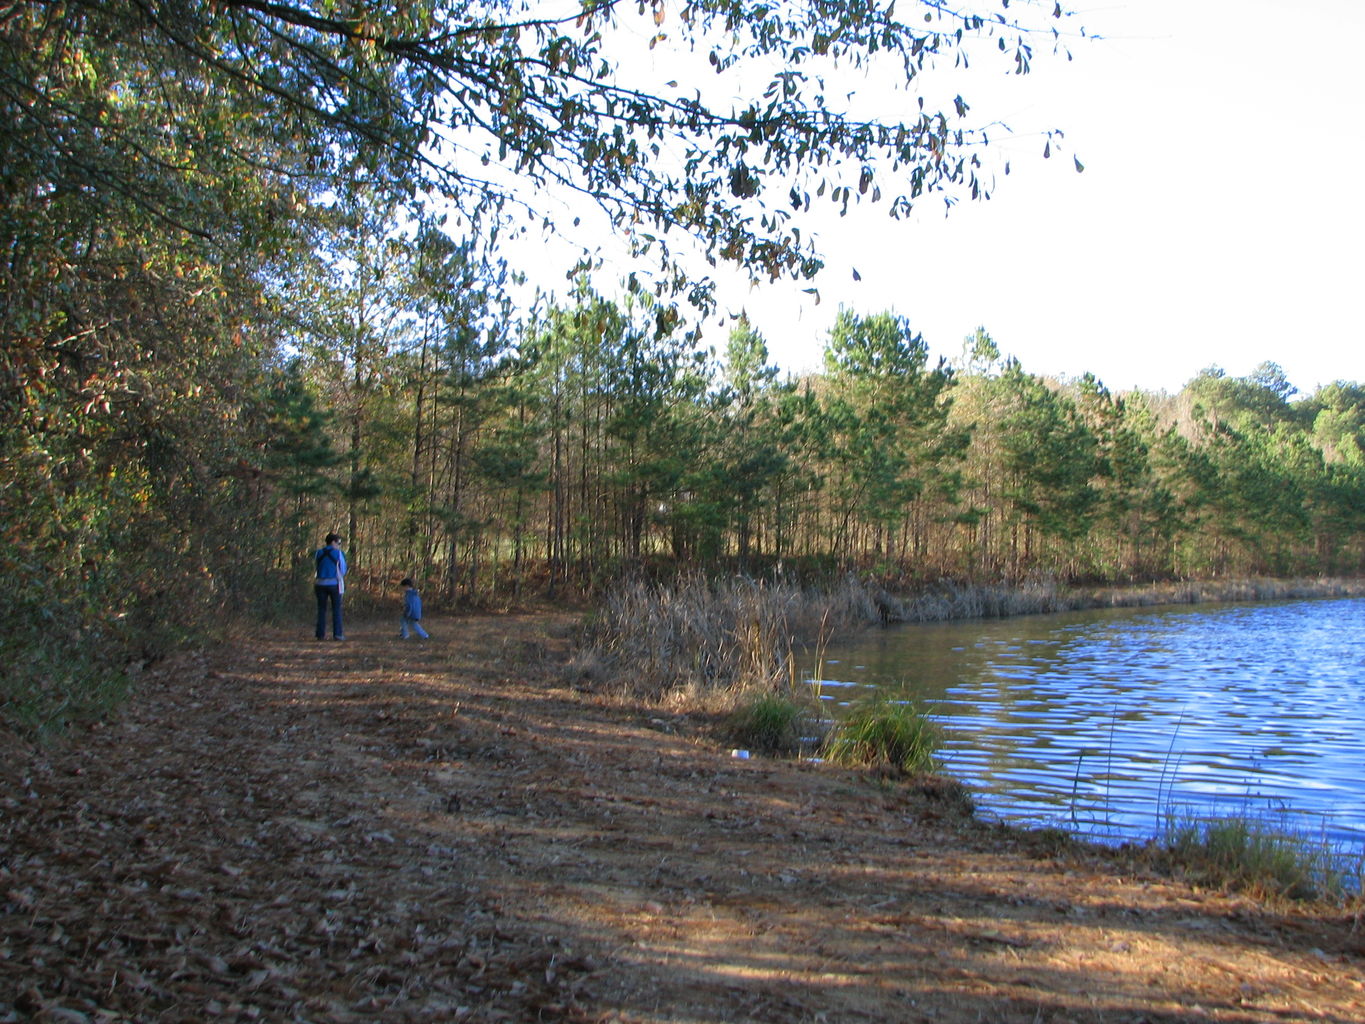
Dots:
{"x": 698, "y": 633}
{"x": 949, "y": 600}
{"x": 704, "y": 636}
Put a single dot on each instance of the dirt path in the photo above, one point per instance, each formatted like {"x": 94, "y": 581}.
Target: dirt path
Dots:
{"x": 387, "y": 831}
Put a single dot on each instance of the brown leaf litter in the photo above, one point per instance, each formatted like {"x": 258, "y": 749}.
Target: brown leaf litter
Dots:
{"x": 380, "y": 830}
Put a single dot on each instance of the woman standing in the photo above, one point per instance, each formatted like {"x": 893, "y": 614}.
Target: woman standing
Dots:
{"x": 329, "y": 585}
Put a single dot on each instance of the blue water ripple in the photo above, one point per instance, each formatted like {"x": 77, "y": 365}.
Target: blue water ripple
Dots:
{"x": 1127, "y": 715}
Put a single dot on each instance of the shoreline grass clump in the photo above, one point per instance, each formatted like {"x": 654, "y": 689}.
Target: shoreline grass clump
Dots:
{"x": 768, "y": 723}
{"x": 888, "y": 734}
{"x": 1262, "y": 858}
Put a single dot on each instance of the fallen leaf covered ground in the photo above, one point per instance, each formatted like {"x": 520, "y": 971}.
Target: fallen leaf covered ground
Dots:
{"x": 379, "y": 830}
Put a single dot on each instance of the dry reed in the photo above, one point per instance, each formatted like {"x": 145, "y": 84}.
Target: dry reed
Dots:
{"x": 720, "y": 634}
{"x": 706, "y": 636}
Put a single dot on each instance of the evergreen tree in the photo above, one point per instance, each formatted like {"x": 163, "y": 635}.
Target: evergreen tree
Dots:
{"x": 887, "y": 414}
{"x": 756, "y": 446}
{"x": 1049, "y": 459}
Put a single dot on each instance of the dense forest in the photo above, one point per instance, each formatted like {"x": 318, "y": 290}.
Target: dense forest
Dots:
{"x": 592, "y": 442}
{"x": 252, "y": 289}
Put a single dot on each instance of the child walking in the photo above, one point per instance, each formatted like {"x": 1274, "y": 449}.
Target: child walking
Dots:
{"x": 412, "y": 612}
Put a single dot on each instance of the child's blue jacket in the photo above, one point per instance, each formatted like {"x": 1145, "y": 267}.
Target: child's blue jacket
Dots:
{"x": 412, "y": 604}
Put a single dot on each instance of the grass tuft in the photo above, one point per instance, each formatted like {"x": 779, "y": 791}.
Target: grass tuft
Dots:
{"x": 887, "y": 734}
{"x": 769, "y": 723}
{"x": 1261, "y": 858}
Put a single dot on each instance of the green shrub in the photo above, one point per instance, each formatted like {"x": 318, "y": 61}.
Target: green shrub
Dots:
{"x": 49, "y": 685}
{"x": 886, "y": 733}
{"x": 769, "y": 723}
{"x": 1259, "y": 857}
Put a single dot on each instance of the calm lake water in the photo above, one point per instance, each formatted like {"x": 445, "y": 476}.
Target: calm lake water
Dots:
{"x": 1101, "y": 722}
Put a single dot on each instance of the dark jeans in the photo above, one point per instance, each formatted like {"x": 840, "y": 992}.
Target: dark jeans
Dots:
{"x": 325, "y": 594}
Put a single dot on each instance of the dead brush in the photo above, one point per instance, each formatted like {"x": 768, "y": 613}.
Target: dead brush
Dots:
{"x": 732, "y": 633}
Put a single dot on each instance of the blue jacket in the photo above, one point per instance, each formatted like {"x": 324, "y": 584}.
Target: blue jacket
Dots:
{"x": 331, "y": 563}
{"x": 412, "y": 604}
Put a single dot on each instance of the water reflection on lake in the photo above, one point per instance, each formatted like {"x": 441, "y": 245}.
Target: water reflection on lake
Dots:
{"x": 1102, "y": 721}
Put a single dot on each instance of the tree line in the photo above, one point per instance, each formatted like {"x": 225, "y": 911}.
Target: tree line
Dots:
{"x": 594, "y": 439}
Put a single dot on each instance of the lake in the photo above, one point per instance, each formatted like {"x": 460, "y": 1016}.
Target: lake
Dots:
{"x": 1101, "y": 722}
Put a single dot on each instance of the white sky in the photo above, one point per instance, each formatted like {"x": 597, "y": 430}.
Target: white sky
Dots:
{"x": 1220, "y": 218}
